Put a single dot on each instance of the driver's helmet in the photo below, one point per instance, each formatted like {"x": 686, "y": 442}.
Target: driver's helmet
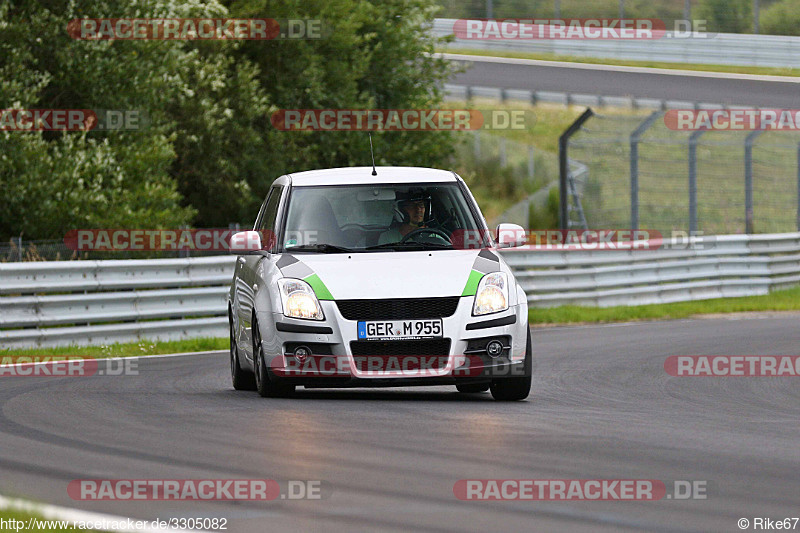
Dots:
{"x": 414, "y": 194}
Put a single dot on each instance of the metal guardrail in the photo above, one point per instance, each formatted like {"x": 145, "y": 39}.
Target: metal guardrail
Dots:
{"x": 467, "y": 92}
{"x": 102, "y": 302}
{"x": 706, "y": 267}
{"x": 712, "y": 49}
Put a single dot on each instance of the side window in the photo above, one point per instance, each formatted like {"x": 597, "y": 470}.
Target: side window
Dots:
{"x": 268, "y": 218}
{"x": 260, "y": 215}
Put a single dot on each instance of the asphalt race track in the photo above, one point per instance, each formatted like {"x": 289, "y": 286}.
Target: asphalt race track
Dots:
{"x": 602, "y": 408}
{"x": 603, "y": 80}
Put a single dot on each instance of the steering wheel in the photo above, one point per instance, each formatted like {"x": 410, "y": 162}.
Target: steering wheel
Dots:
{"x": 434, "y": 231}
{"x": 435, "y": 222}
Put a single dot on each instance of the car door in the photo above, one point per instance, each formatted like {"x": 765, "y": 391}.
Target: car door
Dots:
{"x": 248, "y": 266}
{"x": 242, "y": 303}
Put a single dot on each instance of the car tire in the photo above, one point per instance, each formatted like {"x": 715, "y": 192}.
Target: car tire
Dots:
{"x": 516, "y": 388}
{"x": 471, "y": 388}
{"x": 266, "y": 385}
{"x": 241, "y": 378}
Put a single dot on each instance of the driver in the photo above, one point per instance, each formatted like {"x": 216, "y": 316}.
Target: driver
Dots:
{"x": 413, "y": 213}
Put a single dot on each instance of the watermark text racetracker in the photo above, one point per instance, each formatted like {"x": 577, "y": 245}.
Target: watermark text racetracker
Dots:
{"x": 577, "y": 29}
{"x": 579, "y": 489}
{"x": 183, "y": 29}
{"x": 60, "y": 366}
{"x": 195, "y": 490}
{"x": 732, "y": 365}
{"x": 148, "y": 240}
{"x": 733, "y": 119}
{"x": 580, "y": 239}
{"x": 301, "y": 363}
{"x": 227, "y": 240}
{"x": 115, "y": 524}
{"x": 72, "y": 119}
{"x": 401, "y": 119}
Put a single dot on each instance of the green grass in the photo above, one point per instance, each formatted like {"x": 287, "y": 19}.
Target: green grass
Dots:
{"x": 544, "y": 123}
{"x": 783, "y": 300}
{"x": 761, "y": 71}
{"x": 132, "y": 349}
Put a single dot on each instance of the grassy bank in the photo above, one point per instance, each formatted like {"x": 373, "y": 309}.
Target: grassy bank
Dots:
{"x": 132, "y": 349}
{"x": 784, "y": 300}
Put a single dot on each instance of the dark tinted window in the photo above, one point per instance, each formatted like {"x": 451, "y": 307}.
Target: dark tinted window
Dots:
{"x": 268, "y": 218}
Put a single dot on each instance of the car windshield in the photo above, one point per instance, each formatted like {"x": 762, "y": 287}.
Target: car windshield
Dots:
{"x": 356, "y": 218}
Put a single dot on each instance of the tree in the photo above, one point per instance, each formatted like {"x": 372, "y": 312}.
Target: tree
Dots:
{"x": 56, "y": 181}
{"x": 781, "y": 18}
{"x": 209, "y": 152}
{"x": 377, "y": 55}
{"x": 726, "y": 16}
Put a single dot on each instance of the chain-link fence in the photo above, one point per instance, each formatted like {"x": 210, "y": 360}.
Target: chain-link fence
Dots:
{"x": 642, "y": 174}
{"x": 17, "y": 249}
{"x": 504, "y": 174}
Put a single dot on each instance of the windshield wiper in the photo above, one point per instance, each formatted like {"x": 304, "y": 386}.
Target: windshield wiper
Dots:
{"x": 321, "y": 248}
{"x": 409, "y": 244}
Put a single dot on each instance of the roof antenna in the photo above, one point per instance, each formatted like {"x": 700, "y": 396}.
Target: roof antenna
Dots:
{"x": 374, "y": 172}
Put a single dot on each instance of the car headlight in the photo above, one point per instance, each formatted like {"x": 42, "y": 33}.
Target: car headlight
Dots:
{"x": 492, "y": 294}
{"x": 299, "y": 300}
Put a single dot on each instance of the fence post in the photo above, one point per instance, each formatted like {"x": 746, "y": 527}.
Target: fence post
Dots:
{"x": 19, "y": 247}
{"x": 748, "y": 180}
{"x": 563, "y": 161}
{"x": 477, "y": 146}
{"x": 531, "y": 163}
{"x": 693, "y": 180}
{"x": 634, "y": 140}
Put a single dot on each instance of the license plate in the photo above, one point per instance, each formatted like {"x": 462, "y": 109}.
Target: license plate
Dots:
{"x": 387, "y": 330}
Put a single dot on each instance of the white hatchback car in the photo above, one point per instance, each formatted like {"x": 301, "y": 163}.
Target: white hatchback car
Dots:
{"x": 362, "y": 277}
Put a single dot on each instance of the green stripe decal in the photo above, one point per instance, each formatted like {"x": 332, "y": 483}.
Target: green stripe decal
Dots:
{"x": 320, "y": 289}
{"x": 472, "y": 283}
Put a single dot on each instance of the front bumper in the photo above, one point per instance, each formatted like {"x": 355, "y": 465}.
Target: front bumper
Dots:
{"x": 333, "y": 364}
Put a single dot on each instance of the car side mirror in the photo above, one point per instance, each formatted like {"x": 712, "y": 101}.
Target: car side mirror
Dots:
{"x": 245, "y": 242}
{"x": 510, "y": 236}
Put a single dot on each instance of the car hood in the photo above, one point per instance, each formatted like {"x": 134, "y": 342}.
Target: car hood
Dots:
{"x": 393, "y": 274}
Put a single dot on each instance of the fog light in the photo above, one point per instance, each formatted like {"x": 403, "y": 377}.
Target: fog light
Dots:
{"x": 494, "y": 348}
{"x": 301, "y": 352}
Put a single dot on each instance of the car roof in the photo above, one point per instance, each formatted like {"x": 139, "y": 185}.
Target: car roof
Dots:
{"x": 363, "y": 176}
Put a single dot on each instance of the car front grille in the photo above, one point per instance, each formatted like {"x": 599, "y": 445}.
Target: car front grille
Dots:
{"x": 400, "y": 355}
{"x": 398, "y": 308}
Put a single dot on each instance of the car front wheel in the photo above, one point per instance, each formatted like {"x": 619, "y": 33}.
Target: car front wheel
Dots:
{"x": 241, "y": 379}
{"x": 516, "y": 388}
{"x": 268, "y": 387}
